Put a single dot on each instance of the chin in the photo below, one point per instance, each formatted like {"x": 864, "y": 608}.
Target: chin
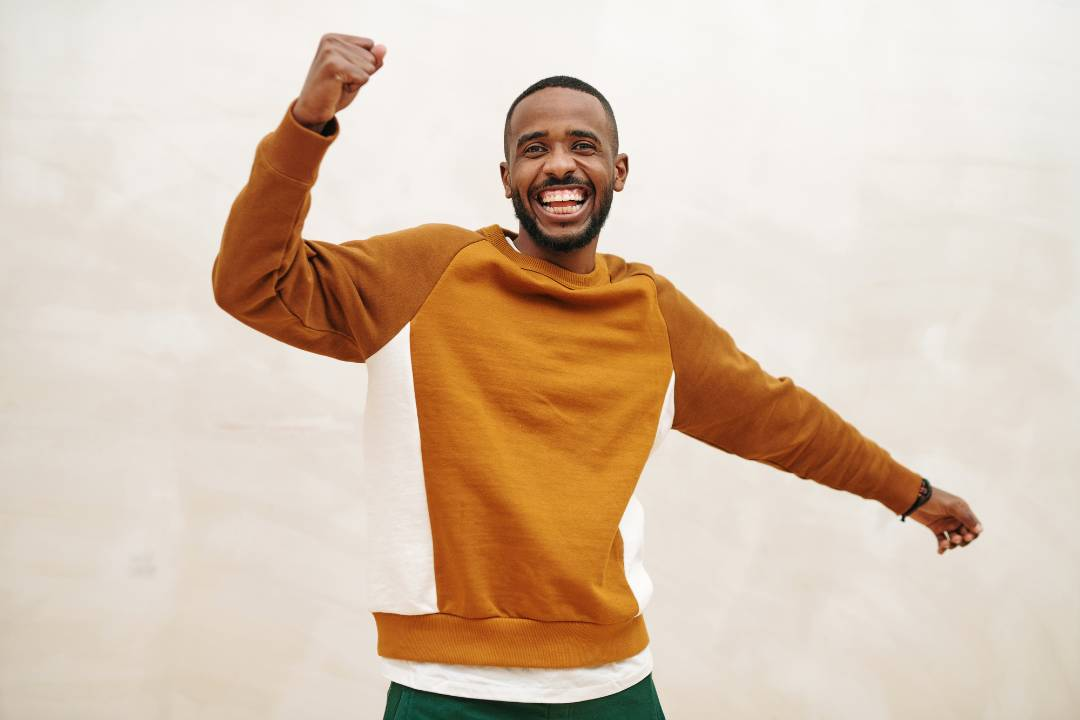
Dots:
{"x": 547, "y": 232}
{"x": 564, "y": 239}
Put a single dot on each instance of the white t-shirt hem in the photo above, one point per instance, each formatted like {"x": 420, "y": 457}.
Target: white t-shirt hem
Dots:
{"x": 476, "y": 685}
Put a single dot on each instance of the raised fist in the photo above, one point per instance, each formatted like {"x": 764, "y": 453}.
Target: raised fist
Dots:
{"x": 342, "y": 65}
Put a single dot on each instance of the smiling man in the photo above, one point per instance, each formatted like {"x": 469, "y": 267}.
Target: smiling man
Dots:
{"x": 518, "y": 385}
{"x": 562, "y": 170}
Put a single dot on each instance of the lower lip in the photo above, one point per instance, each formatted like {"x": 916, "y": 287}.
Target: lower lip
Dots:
{"x": 563, "y": 218}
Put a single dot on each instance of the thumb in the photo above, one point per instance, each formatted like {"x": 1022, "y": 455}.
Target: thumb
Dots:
{"x": 379, "y": 51}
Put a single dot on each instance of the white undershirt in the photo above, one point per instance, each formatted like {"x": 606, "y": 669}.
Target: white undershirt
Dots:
{"x": 520, "y": 684}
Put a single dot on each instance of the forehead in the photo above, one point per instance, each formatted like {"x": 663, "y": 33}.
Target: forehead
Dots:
{"x": 556, "y": 110}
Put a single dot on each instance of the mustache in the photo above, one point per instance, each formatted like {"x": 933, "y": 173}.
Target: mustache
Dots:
{"x": 569, "y": 180}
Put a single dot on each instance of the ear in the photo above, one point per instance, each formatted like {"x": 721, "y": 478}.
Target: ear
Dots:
{"x": 622, "y": 169}
{"x": 504, "y": 171}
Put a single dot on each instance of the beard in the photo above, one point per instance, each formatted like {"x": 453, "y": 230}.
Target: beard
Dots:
{"x": 601, "y": 208}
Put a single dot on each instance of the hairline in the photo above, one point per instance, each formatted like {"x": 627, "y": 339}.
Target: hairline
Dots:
{"x": 557, "y": 82}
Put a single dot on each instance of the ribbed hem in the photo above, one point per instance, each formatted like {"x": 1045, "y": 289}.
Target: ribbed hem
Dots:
{"x": 296, "y": 151}
{"x": 599, "y": 275}
{"x": 505, "y": 641}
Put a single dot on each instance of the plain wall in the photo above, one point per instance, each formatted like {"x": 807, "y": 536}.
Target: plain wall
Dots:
{"x": 878, "y": 200}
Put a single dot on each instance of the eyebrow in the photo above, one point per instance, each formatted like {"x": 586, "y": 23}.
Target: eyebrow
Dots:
{"x": 586, "y": 134}
{"x": 530, "y": 136}
{"x": 543, "y": 133}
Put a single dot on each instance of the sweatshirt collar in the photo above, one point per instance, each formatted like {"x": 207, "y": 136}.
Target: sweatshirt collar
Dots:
{"x": 498, "y": 235}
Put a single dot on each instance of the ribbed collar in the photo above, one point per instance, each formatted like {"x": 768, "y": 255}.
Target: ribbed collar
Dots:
{"x": 497, "y": 235}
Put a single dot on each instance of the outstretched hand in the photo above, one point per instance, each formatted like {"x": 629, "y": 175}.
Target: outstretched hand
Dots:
{"x": 950, "y": 519}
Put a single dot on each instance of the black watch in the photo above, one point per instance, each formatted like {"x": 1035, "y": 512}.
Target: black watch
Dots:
{"x": 925, "y": 491}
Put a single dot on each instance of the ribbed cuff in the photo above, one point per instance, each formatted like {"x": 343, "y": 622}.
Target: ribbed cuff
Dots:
{"x": 900, "y": 490}
{"x": 296, "y": 151}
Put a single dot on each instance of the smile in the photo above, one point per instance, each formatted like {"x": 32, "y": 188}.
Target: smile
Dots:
{"x": 564, "y": 203}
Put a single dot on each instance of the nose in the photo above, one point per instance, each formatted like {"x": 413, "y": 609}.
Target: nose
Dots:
{"x": 559, "y": 162}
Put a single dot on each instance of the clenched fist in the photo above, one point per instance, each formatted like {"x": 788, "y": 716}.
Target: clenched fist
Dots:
{"x": 342, "y": 65}
{"x": 950, "y": 519}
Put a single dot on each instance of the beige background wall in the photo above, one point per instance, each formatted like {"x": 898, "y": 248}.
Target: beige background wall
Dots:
{"x": 876, "y": 199}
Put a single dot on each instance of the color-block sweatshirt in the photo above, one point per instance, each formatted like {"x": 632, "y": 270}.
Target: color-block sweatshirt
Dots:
{"x": 512, "y": 406}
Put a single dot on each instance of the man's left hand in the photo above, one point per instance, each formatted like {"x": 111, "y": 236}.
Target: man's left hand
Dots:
{"x": 950, "y": 519}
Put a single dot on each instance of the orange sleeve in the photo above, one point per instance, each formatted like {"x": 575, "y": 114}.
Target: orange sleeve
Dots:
{"x": 724, "y": 398}
{"x": 341, "y": 300}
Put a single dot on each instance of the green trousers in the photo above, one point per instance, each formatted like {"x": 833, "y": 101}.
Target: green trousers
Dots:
{"x": 637, "y": 702}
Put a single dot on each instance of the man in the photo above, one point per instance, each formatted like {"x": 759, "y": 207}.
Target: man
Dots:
{"x": 518, "y": 384}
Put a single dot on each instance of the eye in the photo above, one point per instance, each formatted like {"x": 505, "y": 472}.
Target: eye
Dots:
{"x": 534, "y": 148}
{"x": 583, "y": 145}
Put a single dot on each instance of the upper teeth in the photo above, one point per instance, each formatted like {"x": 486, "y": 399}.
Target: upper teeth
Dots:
{"x": 577, "y": 195}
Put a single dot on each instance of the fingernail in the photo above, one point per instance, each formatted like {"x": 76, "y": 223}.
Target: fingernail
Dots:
{"x": 978, "y": 527}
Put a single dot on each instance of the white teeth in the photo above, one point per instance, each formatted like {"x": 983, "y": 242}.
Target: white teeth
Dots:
{"x": 566, "y": 210}
{"x": 577, "y": 194}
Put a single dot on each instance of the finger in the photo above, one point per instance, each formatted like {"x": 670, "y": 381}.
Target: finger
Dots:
{"x": 964, "y": 515}
{"x": 351, "y": 55}
{"x": 349, "y": 74}
{"x": 942, "y": 542}
{"x": 368, "y": 68}
{"x": 961, "y": 536}
{"x": 361, "y": 42}
{"x": 359, "y": 55}
{"x": 379, "y": 51}
{"x": 350, "y": 81}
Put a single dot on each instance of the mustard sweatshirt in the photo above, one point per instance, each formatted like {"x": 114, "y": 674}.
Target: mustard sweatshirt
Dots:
{"x": 512, "y": 406}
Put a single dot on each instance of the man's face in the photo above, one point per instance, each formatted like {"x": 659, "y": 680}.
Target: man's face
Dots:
{"x": 562, "y": 167}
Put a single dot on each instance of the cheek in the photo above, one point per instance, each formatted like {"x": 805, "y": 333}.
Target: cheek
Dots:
{"x": 600, "y": 171}
{"x": 519, "y": 179}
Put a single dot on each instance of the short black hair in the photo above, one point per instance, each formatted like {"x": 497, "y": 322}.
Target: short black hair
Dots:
{"x": 560, "y": 81}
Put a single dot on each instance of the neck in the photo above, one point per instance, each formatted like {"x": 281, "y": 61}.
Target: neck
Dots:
{"x": 581, "y": 260}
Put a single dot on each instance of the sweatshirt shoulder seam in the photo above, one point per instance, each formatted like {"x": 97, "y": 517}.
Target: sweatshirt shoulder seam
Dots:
{"x": 277, "y": 293}
{"x": 442, "y": 273}
{"x": 352, "y": 340}
{"x": 667, "y": 328}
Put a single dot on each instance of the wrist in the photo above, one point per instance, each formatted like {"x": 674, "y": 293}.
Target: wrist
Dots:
{"x": 309, "y": 122}
{"x": 318, "y": 127}
{"x": 925, "y": 491}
